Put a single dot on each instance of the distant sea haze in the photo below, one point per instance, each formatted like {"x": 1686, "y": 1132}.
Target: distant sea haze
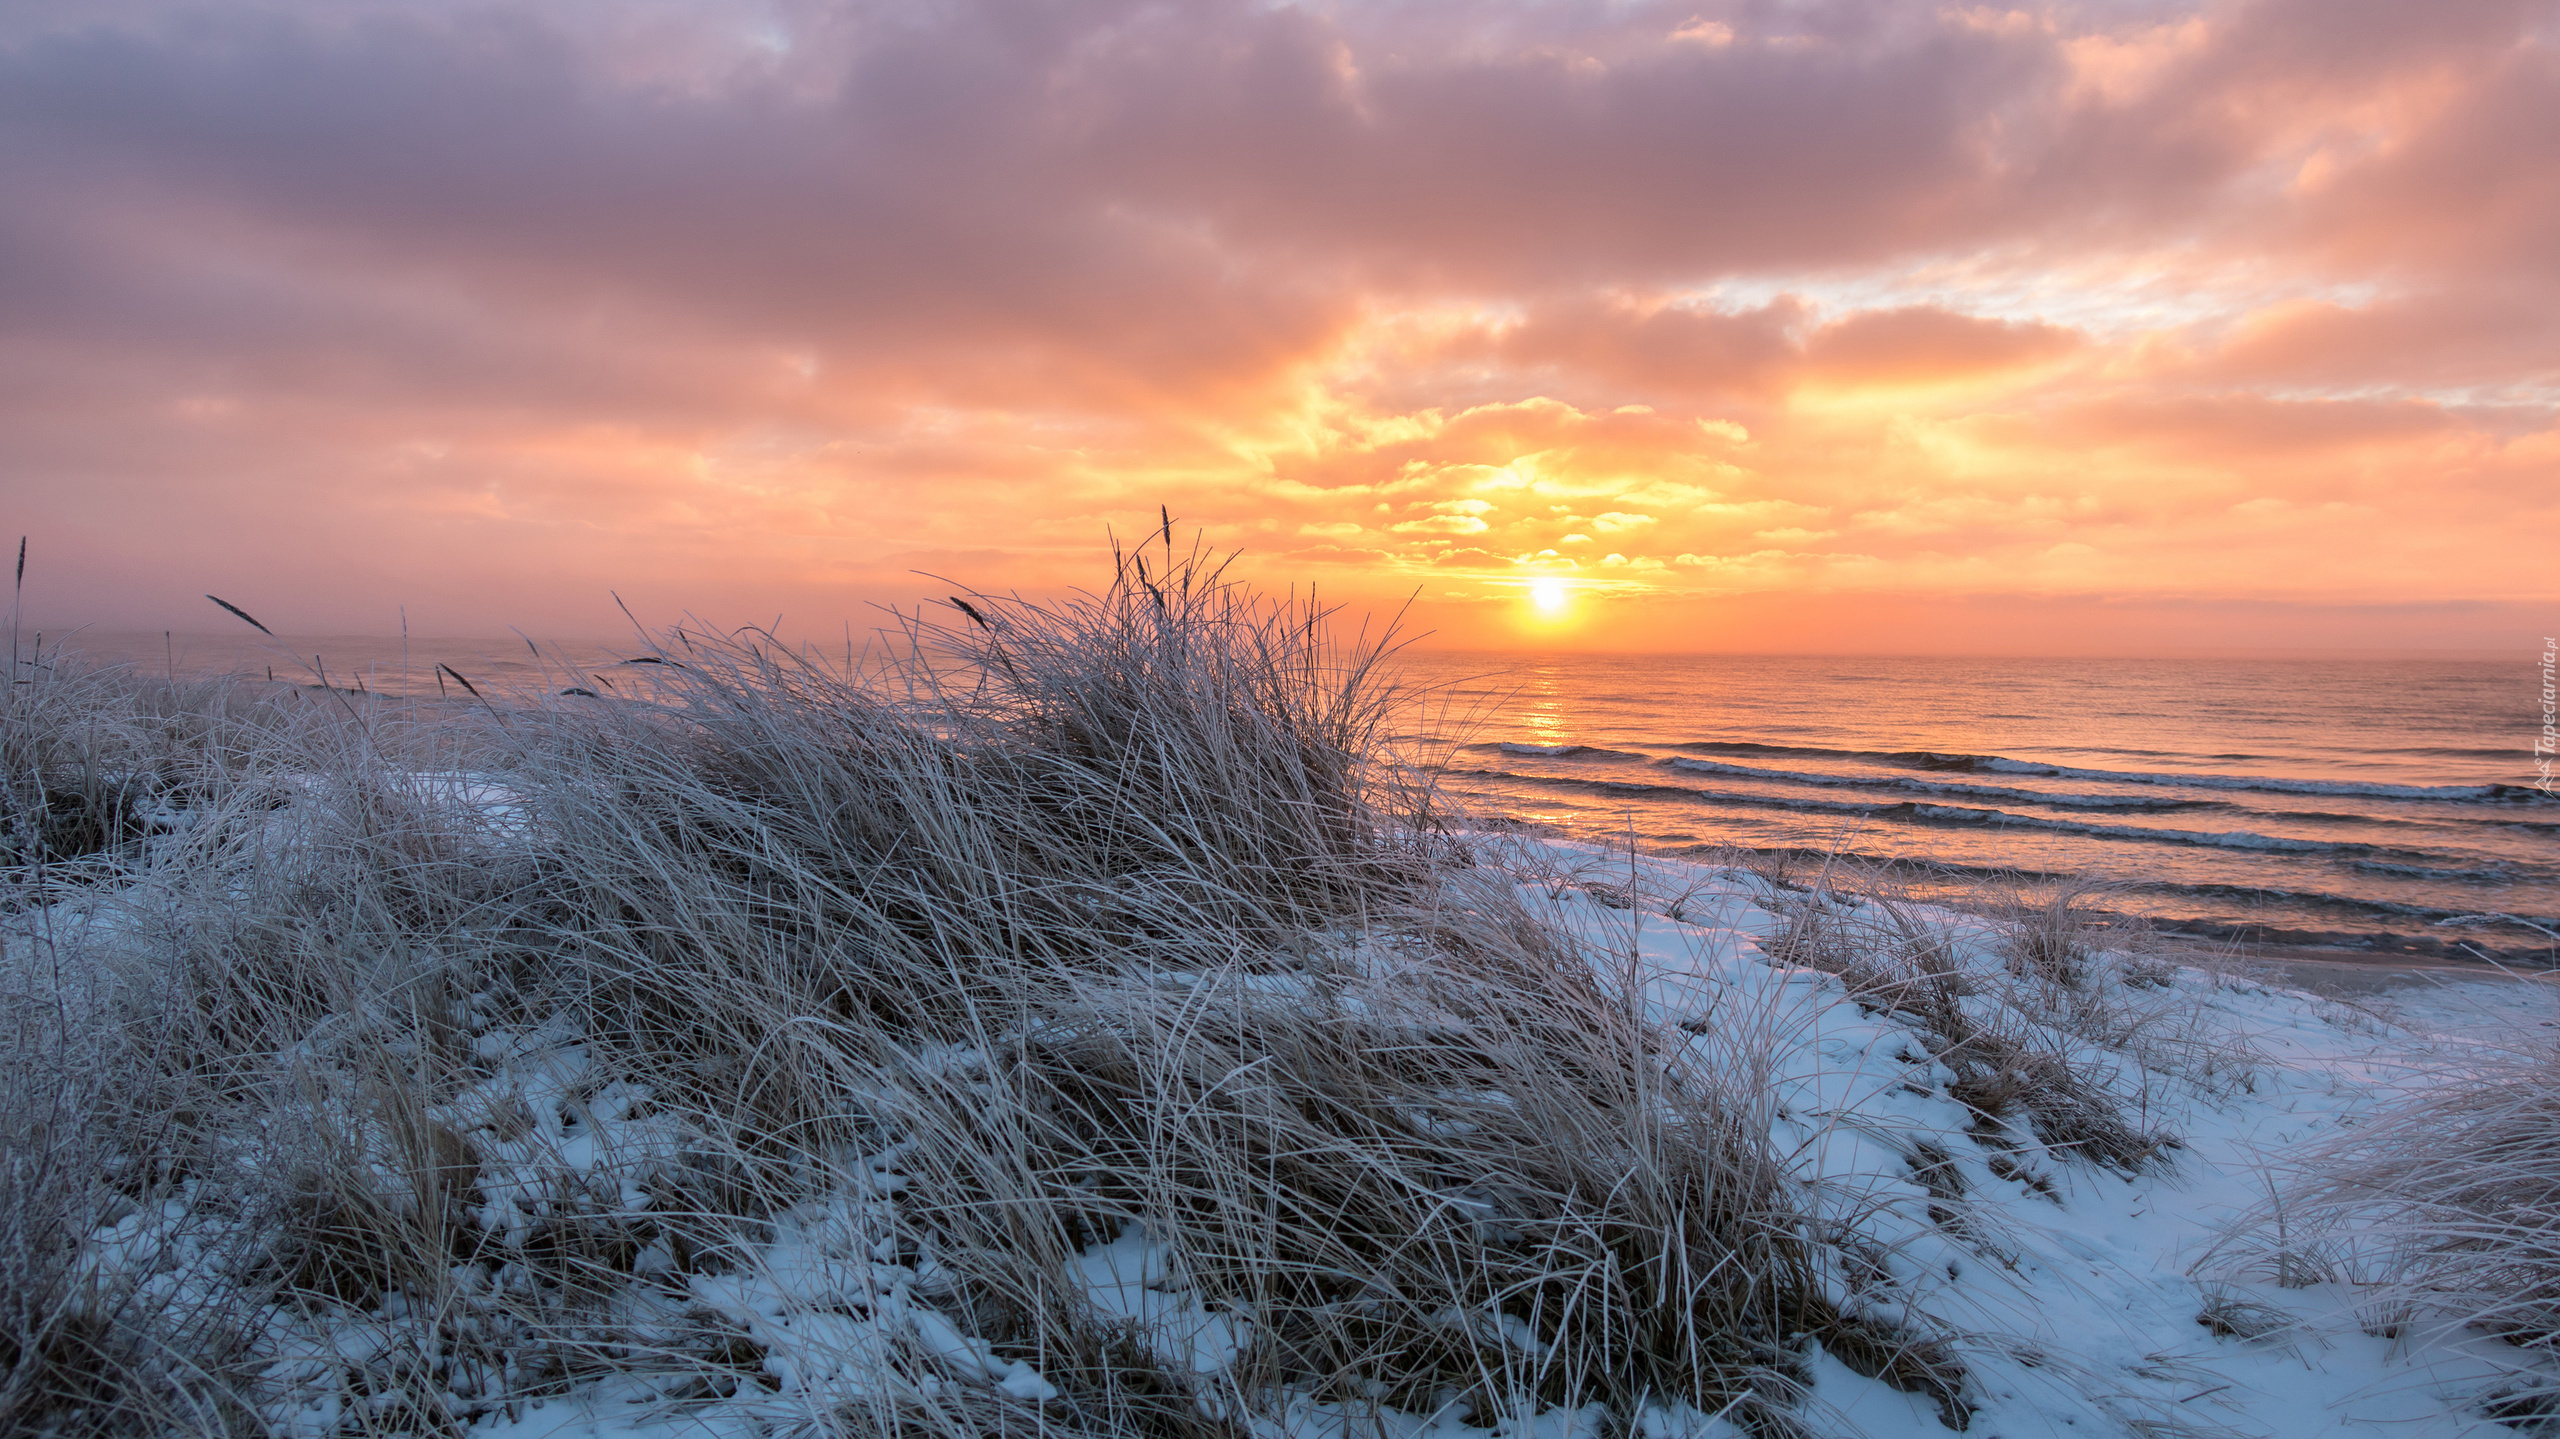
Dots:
{"x": 2324, "y": 802}
{"x": 506, "y": 665}
{"x": 2295, "y": 801}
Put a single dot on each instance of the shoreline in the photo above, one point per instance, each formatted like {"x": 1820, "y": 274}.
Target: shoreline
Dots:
{"x": 2338, "y": 977}
{"x": 2335, "y": 971}
{"x": 2383, "y": 947}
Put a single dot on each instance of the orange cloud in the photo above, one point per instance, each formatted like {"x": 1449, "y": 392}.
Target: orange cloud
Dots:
{"x": 1925, "y": 344}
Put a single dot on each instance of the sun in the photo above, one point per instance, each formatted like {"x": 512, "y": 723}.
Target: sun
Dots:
{"x": 1550, "y": 596}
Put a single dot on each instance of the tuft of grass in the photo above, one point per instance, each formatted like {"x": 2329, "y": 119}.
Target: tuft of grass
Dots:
{"x": 2050, "y": 940}
{"x": 2019, "y": 1044}
{"x": 459, "y": 1061}
{"x": 2443, "y": 1211}
{"x": 92, "y": 1348}
{"x": 2232, "y": 1317}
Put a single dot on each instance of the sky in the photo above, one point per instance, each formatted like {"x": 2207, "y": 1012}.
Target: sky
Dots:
{"x": 1849, "y": 326}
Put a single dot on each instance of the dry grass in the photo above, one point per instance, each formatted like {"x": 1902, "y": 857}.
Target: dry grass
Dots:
{"x": 454, "y": 1065}
{"x": 2064, "y": 1040}
{"x": 386, "y": 1069}
{"x": 89, "y": 1346}
{"x": 2443, "y": 1212}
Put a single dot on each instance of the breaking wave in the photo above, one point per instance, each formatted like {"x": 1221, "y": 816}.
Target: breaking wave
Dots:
{"x": 1937, "y": 813}
{"x": 1940, "y": 787}
{"x": 2003, "y": 764}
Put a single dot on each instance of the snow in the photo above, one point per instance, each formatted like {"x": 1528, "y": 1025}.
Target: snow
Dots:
{"x": 2071, "y": 1292}
{"x": 1131, "y": 1278}
{"x": 2080, "y": 1291}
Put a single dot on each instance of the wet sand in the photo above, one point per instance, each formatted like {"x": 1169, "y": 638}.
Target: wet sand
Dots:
{"x": 2346, "y": 973}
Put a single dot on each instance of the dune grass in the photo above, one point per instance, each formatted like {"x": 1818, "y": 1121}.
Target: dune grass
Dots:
{"x": 1072, "y": 1019}
{"x": 2440, "y": 1214}
{"x": 417, "y": 1068}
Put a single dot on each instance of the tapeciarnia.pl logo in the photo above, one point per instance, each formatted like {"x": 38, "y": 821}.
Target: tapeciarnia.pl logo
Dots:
{"x": 2547, "y": 744}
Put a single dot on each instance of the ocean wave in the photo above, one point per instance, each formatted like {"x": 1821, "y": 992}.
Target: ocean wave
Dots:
{"x": 1736, "y": 746}
{"x": 2224, "y": 839}
{"x": 2249, "y": 904}
{"x": 2273, "y": 784}
{"x": 2458, "y": 752}
{"x": 1936, "y": 813}
{"x": 2327, "y": 816}
{"x": 2254, "y": 895}
{"x": 2269, "y": 784}
{"x": 1642, "y": 790}
{"x": 1940, "y": 787}
{"x": 1924, "y": 868}
{"x": 2425, "y": 871}
{"x": 1553, "y": 751}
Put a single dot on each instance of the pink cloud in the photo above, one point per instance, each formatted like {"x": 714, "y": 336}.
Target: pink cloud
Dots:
{"x": 1925, "y": 342}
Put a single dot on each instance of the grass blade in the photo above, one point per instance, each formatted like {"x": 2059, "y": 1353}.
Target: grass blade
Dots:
{"x": 217, "y": 599}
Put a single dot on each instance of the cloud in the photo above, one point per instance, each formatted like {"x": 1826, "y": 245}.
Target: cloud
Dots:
{"x": 1925, "y": 344}
{"x": 2452, "y": 338}
{"x": 485, "y": 311}
{"x": 1662, "y": 351}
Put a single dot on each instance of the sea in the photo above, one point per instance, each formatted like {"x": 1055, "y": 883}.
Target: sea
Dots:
{"x": 2327, "y": 803}
{"x": 2335, "y": 803}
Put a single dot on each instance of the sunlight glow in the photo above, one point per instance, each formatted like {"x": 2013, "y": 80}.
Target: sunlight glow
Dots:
{"x": 1550, "y": 596}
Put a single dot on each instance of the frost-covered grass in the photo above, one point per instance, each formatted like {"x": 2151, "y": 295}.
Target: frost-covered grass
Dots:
{"x": 1076, "y": 1022}
{"x": 2439, "y": 1211}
